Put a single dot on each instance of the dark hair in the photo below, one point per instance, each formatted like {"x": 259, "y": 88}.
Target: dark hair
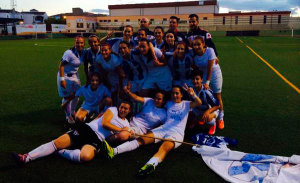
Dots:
{"x": 127, "y": 102}
{"x": 142, "y": 29}
{"x": 106, "y": 44}
{"x": 194, "y": 15}
{"x": 161, "y": 28}
{"x": 149, "y": 54}
{"x": 129, "y": 27}
{"x": 165, "y": 46}
{"x": 97, "y": 75}
{"x": 92, "y": 36}
{"x": 174, "y": 17}
{"x": 186, "y": 48}
{"x": 78, "y": 36}
{"x": 196, "y": 72}
{"x": 201, "y": 40}
{"x": 125, "y": 42}
{"x": 180, "y": 88}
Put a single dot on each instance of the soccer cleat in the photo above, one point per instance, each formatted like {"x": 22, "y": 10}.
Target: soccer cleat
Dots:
{"x": 147, "y": 169}
{"x": 70, "y": 119}
{"x": 201, "y": 122}
{"x": 221, "y": 124}
{"x": 20, "y": 158}
{"x": 107, "y": 150}
{"x": 212, "y": 129}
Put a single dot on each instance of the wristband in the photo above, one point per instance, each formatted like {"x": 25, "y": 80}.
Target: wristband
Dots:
{"x": 207, "y": 82}
{"x": 62, "y": 78}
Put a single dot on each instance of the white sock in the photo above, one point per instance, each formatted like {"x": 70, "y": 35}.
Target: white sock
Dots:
{"x": 154, "y": 161}
{"x": 68, "y": 108}
{"x": 212, "y": 122}
{"x": 221, "y": 115}
{"x": 126, "y": 147}
{"x": 74, "y": 103}
{"x": 73, "y": 155}
{"x": 41, "y": 151}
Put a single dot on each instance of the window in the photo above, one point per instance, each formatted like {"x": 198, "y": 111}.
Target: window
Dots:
{"x": 236, "y": 19}
{"x": 165, "y": 19}
{"x": 250, "y": 20}
{"x": 224, "y": 20}
{"x": 104, "y": 20}
{"x": 127, "y": 20}
{"x": 279, "y": 19}
{"x": 79, "y": 25}
{"x": 204, "y": 18}
{"x": 115, "y": 20}
{"x": 108, "y": 20}
{"x": 265, "y": 19}
{"x": 87, "y": 25}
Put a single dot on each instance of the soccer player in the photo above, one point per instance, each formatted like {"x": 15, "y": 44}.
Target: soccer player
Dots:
{"x": 88, "y": 137}
{"x": 96, "y": 98}
{"x": 195, "y": 31}
{"x": 180, "y": 64}
{"x": 142, "y": 33}
{"x": 68, "y": 81}
{"x": 151, "y": 116}
{"x": 172, "y": 129}
{"x": 127, "y": 36}
{"x": 91, "y": 53}
{"x": 170, "y": 41}
{"x": 159, "y": 74}
{"x": 209, "y": 110}
{"x": 110, "y": 67}
{"x": 159, "y": 35}
{"x": 204, "y": 60}
{"x": 173, "y": 26}
{"x": 145, "y": 24}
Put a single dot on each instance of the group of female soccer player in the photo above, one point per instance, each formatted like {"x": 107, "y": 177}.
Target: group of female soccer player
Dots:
{"x": 166, "y": 80}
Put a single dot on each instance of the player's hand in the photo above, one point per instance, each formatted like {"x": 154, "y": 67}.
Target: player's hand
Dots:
{"x": 63, "y": 84}
{"x": 156, "y": 62}
{"x": 205, "y": 117}
{"x": 217, "y": 61}
{"x": 110, "y": 33}
{"x": 189, "y": 90}
{"x": 206, "y": 86}
{"x": 127, "y": 88}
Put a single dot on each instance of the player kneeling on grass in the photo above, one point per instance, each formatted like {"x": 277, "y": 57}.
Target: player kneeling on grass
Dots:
{"x": 87, "y": 137}
{"x": 96, "y": 98}
{"x": 151, "y": 116}
{"x": 209, "y": 110}
{"x": 172, "y": 129}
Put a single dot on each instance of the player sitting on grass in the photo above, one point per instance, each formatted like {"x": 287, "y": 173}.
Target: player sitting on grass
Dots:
{"x": 209, "y": 110}
{"x": 172, "y": 129}
{"x": 86, "y": 138}
{"x": 96, "y": 97}
{"x": 151, "y": 116}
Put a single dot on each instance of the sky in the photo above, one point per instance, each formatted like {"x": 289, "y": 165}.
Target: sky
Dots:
{"x": 101, "y": 6}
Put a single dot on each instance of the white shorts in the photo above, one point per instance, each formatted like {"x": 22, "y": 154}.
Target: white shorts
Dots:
{"x": 139, "y": 130}
{"x": 161, "y": 83}
{"x": 216, "y": 84}
{"x": 167, "y": 134}
{"x": 73, "y": 84}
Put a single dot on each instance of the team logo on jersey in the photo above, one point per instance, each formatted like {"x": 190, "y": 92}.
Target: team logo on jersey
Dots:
{"x": 208, "y": 36}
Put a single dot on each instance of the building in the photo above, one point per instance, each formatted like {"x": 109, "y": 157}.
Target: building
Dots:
{"x": 34, "y": 17}
{"x": 8, "y": 18}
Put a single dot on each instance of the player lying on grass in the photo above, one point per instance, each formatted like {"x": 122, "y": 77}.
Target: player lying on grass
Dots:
{"x": 209, "y": 110}
{"x": 86, "y": 138}
{"x": 173, "y": 129}
{"x": 68, "y": 81}
{"x": 151, "y": 116}
{"x": 96, "y": 97}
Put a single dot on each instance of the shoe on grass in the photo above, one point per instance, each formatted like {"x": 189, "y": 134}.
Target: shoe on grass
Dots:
{"x": 19, "y": 158}
{"x": 107, "y": 150}
{"x": 146, "y": 170}
{"x": 212, "y": 129}
{"x": 221, "y": 124}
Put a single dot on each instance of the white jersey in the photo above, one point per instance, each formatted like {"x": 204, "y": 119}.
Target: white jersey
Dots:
{"x": 102, "y": 133}
{"x": 150, "y": 116}
{"x": 93, "y": 98}
{"x": 72, "y": 60}
{"x": 177, "y": 114}
{"x": 202, "y": 61}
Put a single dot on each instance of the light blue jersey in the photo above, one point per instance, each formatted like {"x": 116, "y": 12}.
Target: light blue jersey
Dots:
{"x": 92, "y": 99}
{"x": 72, "y": 60}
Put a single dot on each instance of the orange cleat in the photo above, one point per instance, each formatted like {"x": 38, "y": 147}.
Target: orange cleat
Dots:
{"x": 212, "y": 129}
{"x": 221, "y": 125}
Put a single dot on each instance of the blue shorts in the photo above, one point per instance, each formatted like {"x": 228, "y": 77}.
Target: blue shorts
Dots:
{"x": 73, "y": 84}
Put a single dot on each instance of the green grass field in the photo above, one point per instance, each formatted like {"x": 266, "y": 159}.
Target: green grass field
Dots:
{"x": 261, "y": 111}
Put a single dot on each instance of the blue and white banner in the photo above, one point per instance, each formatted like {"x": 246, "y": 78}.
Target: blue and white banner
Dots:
{"x": 239, "y": 167}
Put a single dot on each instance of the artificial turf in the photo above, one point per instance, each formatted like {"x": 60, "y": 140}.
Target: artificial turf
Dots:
{"x": 261, "y": 111}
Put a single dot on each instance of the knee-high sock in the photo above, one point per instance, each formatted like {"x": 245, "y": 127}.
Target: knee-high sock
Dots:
{"x": 74, "y": 103}
{"x": 212, "y": 122}
{"x": 68, "y": 108}
{"x": 221, "y": 115}
{"x": 126, "y": 147}
{"x": 73, "y": 155}
{"x": 41, "y": 151}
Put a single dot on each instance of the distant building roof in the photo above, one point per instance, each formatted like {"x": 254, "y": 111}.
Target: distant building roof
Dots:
{"x": 8, "y": 11}
{"x": 159, "y": 5}
{"x": 79, "y": 14}
{"x": 253, "y": 13}
{"x": 33, "y": 12}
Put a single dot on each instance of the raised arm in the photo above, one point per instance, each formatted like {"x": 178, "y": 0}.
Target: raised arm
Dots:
{"x": 109, "y": 34}
{"x": 132, "y": 95}
{"x": 191, "y": 92}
